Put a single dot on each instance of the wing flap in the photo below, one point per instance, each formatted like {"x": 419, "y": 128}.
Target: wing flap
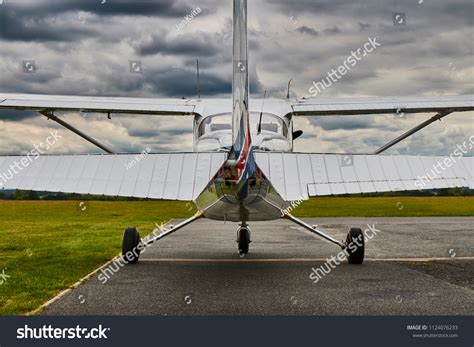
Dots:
{"x": 325, "y": 107}
{"x": 35, "y": 102}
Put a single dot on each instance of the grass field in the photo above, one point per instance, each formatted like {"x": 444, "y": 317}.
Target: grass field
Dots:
{"x": 47, "y": 246}
{"x": 401, "y": 206}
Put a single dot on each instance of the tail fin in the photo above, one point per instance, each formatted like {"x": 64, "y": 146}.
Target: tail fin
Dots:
{"x": 240, "y": 80}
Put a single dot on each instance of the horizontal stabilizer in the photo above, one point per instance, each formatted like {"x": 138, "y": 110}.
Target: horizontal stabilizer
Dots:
{"x": 301, "y": 175}
{"x": 175, "y": 176}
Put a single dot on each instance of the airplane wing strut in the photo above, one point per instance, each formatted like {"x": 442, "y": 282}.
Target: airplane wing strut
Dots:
{"x": 412, "y": 131}
{"x": 50, "y": 115}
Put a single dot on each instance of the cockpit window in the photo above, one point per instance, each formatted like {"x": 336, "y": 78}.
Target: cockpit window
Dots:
{"x": 223, "y": 122}
{"x": 215, "y": 123}
{"x": 217, "y": 127}
{"x": 270, "y": 127}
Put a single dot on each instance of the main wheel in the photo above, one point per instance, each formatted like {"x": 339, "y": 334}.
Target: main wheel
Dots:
{"x": 244, "y": 240}
{"x": 130, "y": 242}
{"x": 355, "y": 246}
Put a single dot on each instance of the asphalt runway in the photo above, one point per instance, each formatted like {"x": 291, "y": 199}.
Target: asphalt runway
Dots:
{"x": 414, "y": 266}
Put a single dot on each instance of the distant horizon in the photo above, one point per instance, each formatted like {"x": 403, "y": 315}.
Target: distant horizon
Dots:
{"x": 446, "y": 192}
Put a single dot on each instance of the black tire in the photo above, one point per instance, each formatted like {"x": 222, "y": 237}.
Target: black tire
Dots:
{"x": 244, "y": 240}
{"x": 356, "y": 252}
{"x": 130, "y": 242}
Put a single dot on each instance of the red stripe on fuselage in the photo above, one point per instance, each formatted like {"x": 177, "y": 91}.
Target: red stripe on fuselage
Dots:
{"x": 244, "y": 153}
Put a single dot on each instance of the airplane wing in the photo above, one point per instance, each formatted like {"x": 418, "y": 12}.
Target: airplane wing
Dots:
{"x": 175, "y": 176}
{"x": 298, "y": 176}
{"x": 347, "y": 107}
{"x": 35, "y": 102}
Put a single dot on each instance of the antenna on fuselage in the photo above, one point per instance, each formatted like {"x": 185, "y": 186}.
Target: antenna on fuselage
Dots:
{"x": 259, "y": 129}
{"x": 198, "y": 82}
{"x": 288, "y": 91}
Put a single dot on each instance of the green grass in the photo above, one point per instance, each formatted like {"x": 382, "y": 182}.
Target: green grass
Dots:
{"x": 46, "y": 247}
{"x": 401, "y": 206}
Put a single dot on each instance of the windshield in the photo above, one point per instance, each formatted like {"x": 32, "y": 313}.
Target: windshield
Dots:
{"x": 223, "y": 123}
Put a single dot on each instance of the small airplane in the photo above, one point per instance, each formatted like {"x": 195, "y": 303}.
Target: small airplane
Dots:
{"x": 243, "y": 167}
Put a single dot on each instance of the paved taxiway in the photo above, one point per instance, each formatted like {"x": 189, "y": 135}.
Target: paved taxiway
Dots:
{"x": 416, "y": 266}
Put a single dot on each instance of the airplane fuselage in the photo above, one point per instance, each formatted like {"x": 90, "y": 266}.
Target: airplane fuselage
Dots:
{"x": 240, "y": 192}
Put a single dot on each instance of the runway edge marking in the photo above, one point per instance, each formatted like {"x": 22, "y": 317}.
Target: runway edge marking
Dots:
{"x": 82, "y": 280}
{"x": 70, "y": 288}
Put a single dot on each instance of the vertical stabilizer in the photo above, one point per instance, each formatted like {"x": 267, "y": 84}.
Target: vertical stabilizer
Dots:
{"x": 240, "y": 80}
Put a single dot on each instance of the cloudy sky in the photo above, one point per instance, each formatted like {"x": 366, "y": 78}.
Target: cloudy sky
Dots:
{"x": 83, "y": 47}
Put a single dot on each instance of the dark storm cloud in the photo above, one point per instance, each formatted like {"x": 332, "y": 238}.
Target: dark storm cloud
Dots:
{"x": 151, "y": 132}
{"x": 333, "y": 30}
{"x": 35, "y": 20}
{"x": 15, "y": 27}
{"x": 16, "y": 115}
{"x": 461, "y": 10}
{"x": 313, "y": 32}
{"x": 183, "y": 83}
{"x": 345, "y": 123}
{"x": 444, "y": 11}
{"x": 197, "y": 45}
{"x": 364, "y": 26}
{"x": 21, "y": 82}
{"x": 93, "y": 59}
{"x": 308, "y": 5}
{"x": 307, "y": 30}
{"x": 161, "y": 8}
{"x": 382, "y": 122}
{"x": 253, "y": 45}
{"x": 209, "y": 62}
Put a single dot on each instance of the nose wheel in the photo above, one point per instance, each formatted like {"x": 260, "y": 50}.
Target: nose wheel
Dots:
{"x": 243, "y": 239}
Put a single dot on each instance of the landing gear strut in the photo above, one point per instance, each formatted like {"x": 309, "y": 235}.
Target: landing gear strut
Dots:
{"x": 132, "y": 245}
{"x": 243, "y": 239}
{"x": 353, "y": 246}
